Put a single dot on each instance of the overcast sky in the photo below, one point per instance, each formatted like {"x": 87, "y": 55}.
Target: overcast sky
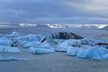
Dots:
{"x": 54, "y": 11}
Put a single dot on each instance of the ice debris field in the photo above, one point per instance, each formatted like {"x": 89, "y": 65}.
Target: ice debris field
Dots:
{"x": 70, "y": 43}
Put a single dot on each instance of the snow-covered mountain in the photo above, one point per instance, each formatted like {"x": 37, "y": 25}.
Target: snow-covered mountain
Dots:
{"x": 59, "y": 26}
{"x": 105, "y": 28}
{"x": 82, "y": 26}
{"x": 42, "y": 26}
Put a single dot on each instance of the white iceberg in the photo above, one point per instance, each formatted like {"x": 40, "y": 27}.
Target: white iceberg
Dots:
{"x": 89, "y": 52}
{"x": 31, "y": 44}
{"x": 95, "y": 52}
{"x": 46, "y": 45}
{"x": 88, "y": 41}
{"x": 5, "y": 42}
{"x": 32, "y": 37}
{"x": 41, "y": 50}
{"x": 15, "y": 34}
{"x": 73, "y": 50}
{"x": 66, "y": 44}
{"x": 28, "y": 41}
{"x": 9, "y": 49}
{"x": 36, "y": 44}
{"x": 58, "y": 49}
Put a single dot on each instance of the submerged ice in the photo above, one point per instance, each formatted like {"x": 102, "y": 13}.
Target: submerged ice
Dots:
{"x": 11, "y": 59}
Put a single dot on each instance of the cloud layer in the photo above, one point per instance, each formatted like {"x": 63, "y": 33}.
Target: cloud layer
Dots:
{"x": 53, "y": 11}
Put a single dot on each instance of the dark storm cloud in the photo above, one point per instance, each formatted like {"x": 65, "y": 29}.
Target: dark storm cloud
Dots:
{"x": 51, "y": 11}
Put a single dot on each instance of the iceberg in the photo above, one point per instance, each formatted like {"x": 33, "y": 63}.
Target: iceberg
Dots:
{"x": 9, "y": 49}
{"x": 95, "y": 52}
{"x": 89, "y": 52}
{"x": 66, "y": 44}
{"x": 31, "y": 44}
{"x": 41, "y": 50}
{"x": 15, "y": 34}
{"x": 33, "y": 37}
{"x": 36, "y": 44}
{"x": 27, "y": 41}
{"x": 73, "y": 50}
{"x": 51, "y": 42}
{"x": 88, "y": 41}
{"x": 5, "y": 42}
{"x": 46, "y": 45}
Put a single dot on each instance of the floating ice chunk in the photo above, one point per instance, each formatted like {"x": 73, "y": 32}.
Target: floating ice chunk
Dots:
{"x": 103, "y": 41}
{"x": 69, "y": 43}
{"x": 9, "y": 49}
{"x": 28, "y": 41}
{"x": 31, "y": 44}
{"x": 36, "y": 44}
{"x": 88, "y": 41}
{"x": 21, "y": 43}
{"x": 46, "y": 45}
{"x": 11, "y": 59}
{"x": 73, "y": 50}
{"x": 32, "y": 37}
{"x": 86, "y": 46}
{"x": 20, "y": 38}
{"x": 5, "y": 42}
{"x": 59, "y": 49}
{"x": 41, "y": 50}
{"x": 66, "y": 44}
{"x": 12, "y": 49}
{"x": 93, "y": 53}
{"x": 104, "y": 56}
{"x": 15, "y": 34}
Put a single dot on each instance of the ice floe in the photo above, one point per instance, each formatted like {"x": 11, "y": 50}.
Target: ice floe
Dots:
{"x": 94, "y": 53}
{"x": 9, "y": 49}
{"x": 15, "y": 34}
{"x": 73, "y": 50}
{"x": 31, "y": 44}
{"x": 12, "y": 59}
{"x": 66, "y": 44}
{"x": 41, "y": 50}
{"x": 5, "y": 42}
